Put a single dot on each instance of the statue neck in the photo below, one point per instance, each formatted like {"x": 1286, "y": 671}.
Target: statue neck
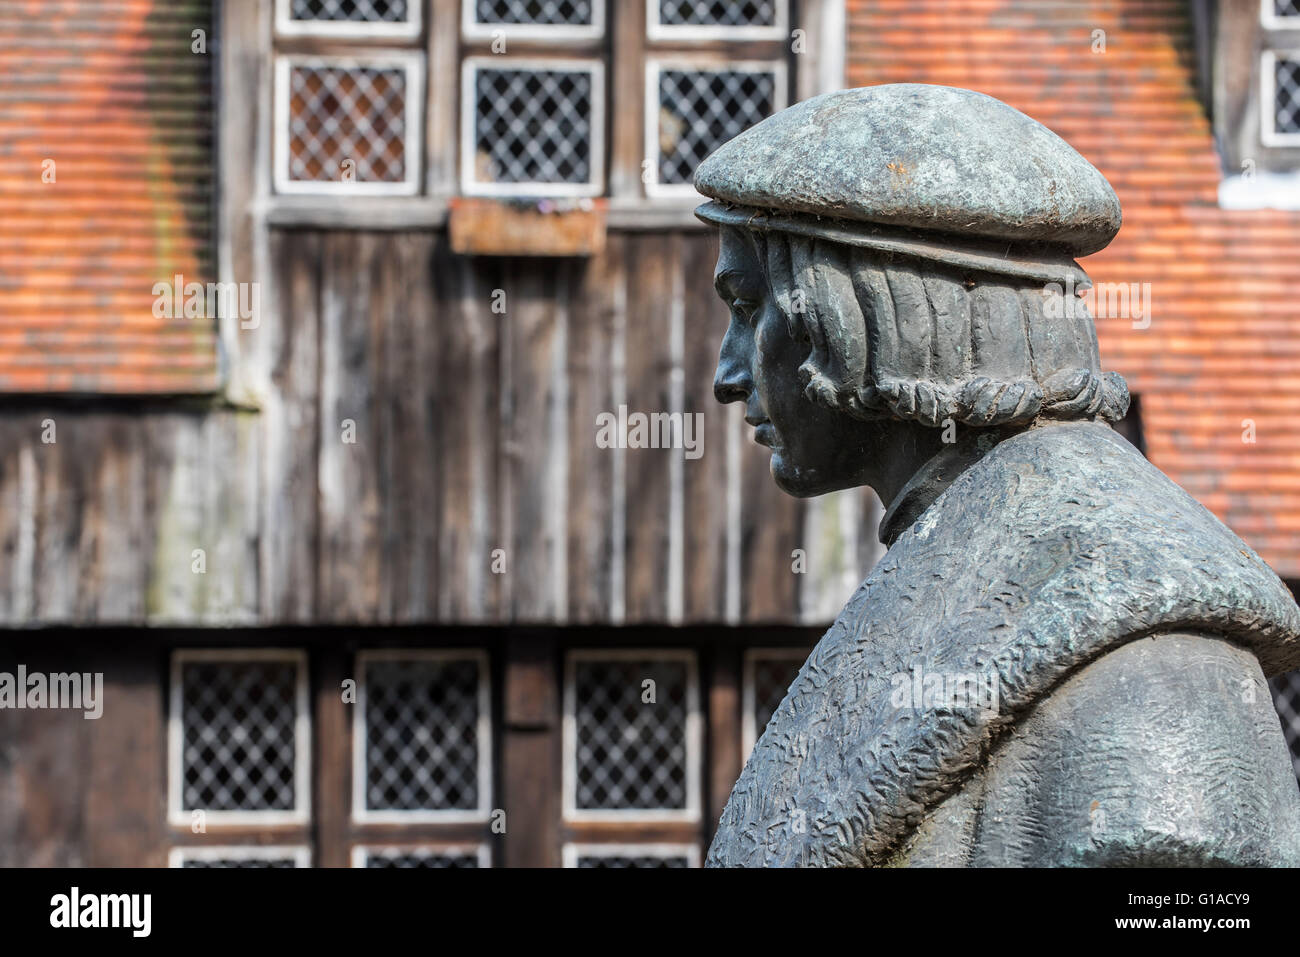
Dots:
{"x": 934, "y": 476}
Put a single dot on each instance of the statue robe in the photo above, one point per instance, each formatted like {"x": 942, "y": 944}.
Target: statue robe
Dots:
{"x": 1095, "y": 645}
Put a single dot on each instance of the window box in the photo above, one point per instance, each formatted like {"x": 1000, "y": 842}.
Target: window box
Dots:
{"x": 493, "y": 227}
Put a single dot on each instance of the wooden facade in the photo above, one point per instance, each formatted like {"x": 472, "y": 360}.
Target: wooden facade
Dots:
{"x": 76, "y": 792}
{"x": 403, "y": 454}
{"x": 432, "y": 416}
{"x": 413, "y": 436}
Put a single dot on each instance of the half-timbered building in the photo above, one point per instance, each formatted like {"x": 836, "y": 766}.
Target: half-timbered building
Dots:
{"x": 312, "y": 313}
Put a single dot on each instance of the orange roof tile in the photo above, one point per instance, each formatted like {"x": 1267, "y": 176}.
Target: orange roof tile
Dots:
{"x": 113, "y": 95}
{"x": 1222, "y": 352}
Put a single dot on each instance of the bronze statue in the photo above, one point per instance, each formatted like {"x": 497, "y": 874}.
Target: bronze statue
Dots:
{"x": 1061, "y": 658}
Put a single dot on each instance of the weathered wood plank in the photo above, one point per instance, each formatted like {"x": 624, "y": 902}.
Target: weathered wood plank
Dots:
{"x": 651, "y": 259}
{"x": 354, "y": 283}
{"x": 290, "y": 423}
{"x": 464, "y": 359}
{"x": 76, "y": 483}
{"x": 535, "y": 437}
{"x": 408, "y": 431}
{"x": 18, "y": 489}
{"x": 201, "y": 535}
{"x": 706, "y": 477}
{"x": 244, "y": 169}
{"x": 591, "y": 469}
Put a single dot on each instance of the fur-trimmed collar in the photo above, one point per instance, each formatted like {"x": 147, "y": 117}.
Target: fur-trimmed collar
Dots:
{"x": 1057, "y": 546}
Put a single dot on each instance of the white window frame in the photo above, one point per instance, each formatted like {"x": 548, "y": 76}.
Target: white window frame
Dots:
{"x": 481, "y": 851}
{"x": 412, "y": 63}
{"x": 694, "y": 722}
{"x": 468, "y": 123}
{"x": 1268, "y": 93}
{"x": 678, "y": 33}
{"x": 1271, "y": 21}
{"x": 748, "y": 690}
{"x": 653, "y": 67}
{"x": 363, "y": 815}
{"x": 300, "y": 854}
{"x": 301, "y": 812}
{"x": 572, "y": 852}
{"x": 286, "y": 26}
{"x": 472, "y": 29}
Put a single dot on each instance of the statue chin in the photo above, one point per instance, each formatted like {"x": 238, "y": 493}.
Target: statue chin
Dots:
{"x": 802, "y": 482}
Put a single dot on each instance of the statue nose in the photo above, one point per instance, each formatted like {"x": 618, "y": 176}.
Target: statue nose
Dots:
{"x": 731, "y": 384}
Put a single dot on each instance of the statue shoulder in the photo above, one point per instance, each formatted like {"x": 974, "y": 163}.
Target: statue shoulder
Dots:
{"x": 1164, "y": 751}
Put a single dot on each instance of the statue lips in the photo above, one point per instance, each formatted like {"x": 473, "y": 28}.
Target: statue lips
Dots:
{"x": 764, "y": 432}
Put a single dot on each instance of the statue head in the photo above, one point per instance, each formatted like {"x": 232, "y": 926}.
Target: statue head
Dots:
{"x": 899, "y": 265}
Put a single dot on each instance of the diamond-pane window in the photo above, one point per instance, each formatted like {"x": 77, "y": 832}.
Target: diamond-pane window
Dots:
{"x": 569, "y": 12}
{"x": 420, "y": 857}
{"x": 348, "y": 18}
{"x": 692, "y": 111}
{"x": 1286, "y": 698}
{"x": 631, "y": 855}
{"x": 532, "y": 128}
{"x": 768, "y": 675}
{"x": 624, "y": 860}
{"x": 567, "y": 18}
{"x": 1286, "y": 95}
{"x": 239, "y": 735}
{"x": 348, "y": 126}
{"x": 712, "y": 19}
{"x": 631, "y": 735}
{"x": 718, "y": 13}
{"x": 365, "y": 11}
{"x": 252, "y": 856}
{"x": 1283, "y": 9}
{"x": 423, "y": 734}
{"x": 241, "y": 862}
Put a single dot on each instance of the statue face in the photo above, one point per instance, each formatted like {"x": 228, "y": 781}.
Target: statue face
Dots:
{"x": 814, "y": 449}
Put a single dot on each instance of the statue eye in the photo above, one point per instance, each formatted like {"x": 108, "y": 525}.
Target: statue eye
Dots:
{"x": 745, "y": 308}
